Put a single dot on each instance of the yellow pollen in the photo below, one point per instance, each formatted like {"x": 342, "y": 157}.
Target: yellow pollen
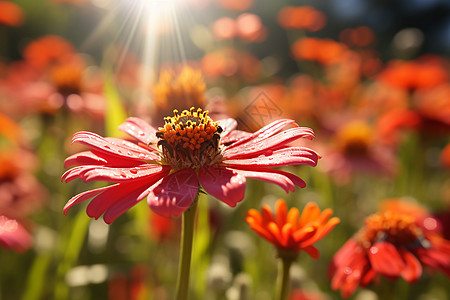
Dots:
{"x": 190, "y": 138}
{"x": 393, "y": 227}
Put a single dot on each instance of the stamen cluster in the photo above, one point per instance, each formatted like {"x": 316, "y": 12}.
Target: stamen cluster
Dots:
{"x": 397, "y": 229}
{"x": 190, "y": 139}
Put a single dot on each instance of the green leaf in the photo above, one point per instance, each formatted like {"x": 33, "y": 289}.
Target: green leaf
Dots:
{"x": 115, "y": 113}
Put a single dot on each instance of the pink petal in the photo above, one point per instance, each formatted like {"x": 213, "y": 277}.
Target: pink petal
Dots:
{"x": 264, "y": 132}
{"x": 74, "y": 173}
{"x": 108, "y": 174}
{"x": 84, "y": 196}
{"x": 385, "y": 259}
{"x": 262, "y": 145}
{"x": 234, "y": 136}
{"x": 140, "y": 130}
{"x": 283, "y": 157}
{"x": 119, "y": 207}
{"x": 284, "y": 180}
{"x": 84, "y": 158}
{"x": 227, "y": 125}
{"x": 174, "y": 194}
{"x": 225, "y": 184}
{"x": 116, "y": 200}
{"x": 13, "y": 235}
{"x": 111, "y": 146}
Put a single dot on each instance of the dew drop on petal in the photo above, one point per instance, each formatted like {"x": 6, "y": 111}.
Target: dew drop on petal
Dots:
{"x": 133, "y": 171}
{"x": 430, "y": 223}
{"x": 374, "y": 250}
{"x": 141, "y": 133}
{"x": 348, "y": 271}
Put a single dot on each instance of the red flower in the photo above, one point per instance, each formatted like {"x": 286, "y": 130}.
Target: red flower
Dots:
{"x": 425, "y": 72}
{"x": 11, "y": 14}
{"x": 289, "y": 231}
{"x": 169, "y": 165}
{"x": 391, "y": 244}
{"x": 47, "y": 50}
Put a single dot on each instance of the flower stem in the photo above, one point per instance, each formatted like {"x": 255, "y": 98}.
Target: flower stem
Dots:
{"x": 283, "y": 277}
{"x": 187, "y": 234}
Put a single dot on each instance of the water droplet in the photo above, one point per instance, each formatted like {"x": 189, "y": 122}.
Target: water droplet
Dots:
{"x": 141, "y": 156}
{"x": 134, "y": 170}
{"x": 141, "y": 133}
{"x": 129, "y": 153}
{"x": 123, "y": 174}
{"x": 107, "y": 147}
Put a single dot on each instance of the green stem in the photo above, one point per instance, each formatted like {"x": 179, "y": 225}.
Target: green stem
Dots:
{"x": 283, "y": 277}
{"x": 187, "y": 234}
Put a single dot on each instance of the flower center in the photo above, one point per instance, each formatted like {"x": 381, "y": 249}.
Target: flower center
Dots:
{"x": 67, "y": 78}
{"x": 190, "y": 139}
{"x": 354, "y": 139}
{"x": 398, "y": 229}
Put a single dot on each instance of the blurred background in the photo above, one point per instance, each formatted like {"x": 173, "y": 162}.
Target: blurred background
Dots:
{"x": 370, "y": 77}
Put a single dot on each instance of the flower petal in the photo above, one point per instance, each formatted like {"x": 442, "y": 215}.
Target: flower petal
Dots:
{"x": 84, "y": 196}
{"x": 285, "y": 180}
{"x": 120, "y": 149}
{"x": 264, "y": 132}
{"x": 280, "y": 212}
{"x": 284, "y": 157}
{"x": 260, "y": 230}
{"x": 225, "y": 184}
{"x": 385, "y": 259}
{"x": 228, "y": 125}
{"x": 121, "y": 197}
{"x": 140, "y": 130}
{"x": 174, "y": 194}
{"x": 99, "y": 173}
{"x": 312, "y": 251}
{"x": 413, "y": 269}
{"x": 117, "y": 208}
{"x": 84, "y": 158}
{"x": 260, "y": 146}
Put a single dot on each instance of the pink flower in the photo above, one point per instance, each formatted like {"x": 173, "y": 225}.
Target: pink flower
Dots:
{"x": 191, "y": 152}
{"x": 13, "y": 235}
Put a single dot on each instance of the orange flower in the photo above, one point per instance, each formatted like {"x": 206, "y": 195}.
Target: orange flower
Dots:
{"x": 360, "y": 36}
{"x": 324, "y": 51}
{"x": 47, "y": 50}
{"x": 238, "y": 5}
{"x": 425, "y": 72}
{"x": 289, "y": 231}
{"x": 11, "y": 14}
{"x": 302, "y": 17}
{"x": 184, "y": 90}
